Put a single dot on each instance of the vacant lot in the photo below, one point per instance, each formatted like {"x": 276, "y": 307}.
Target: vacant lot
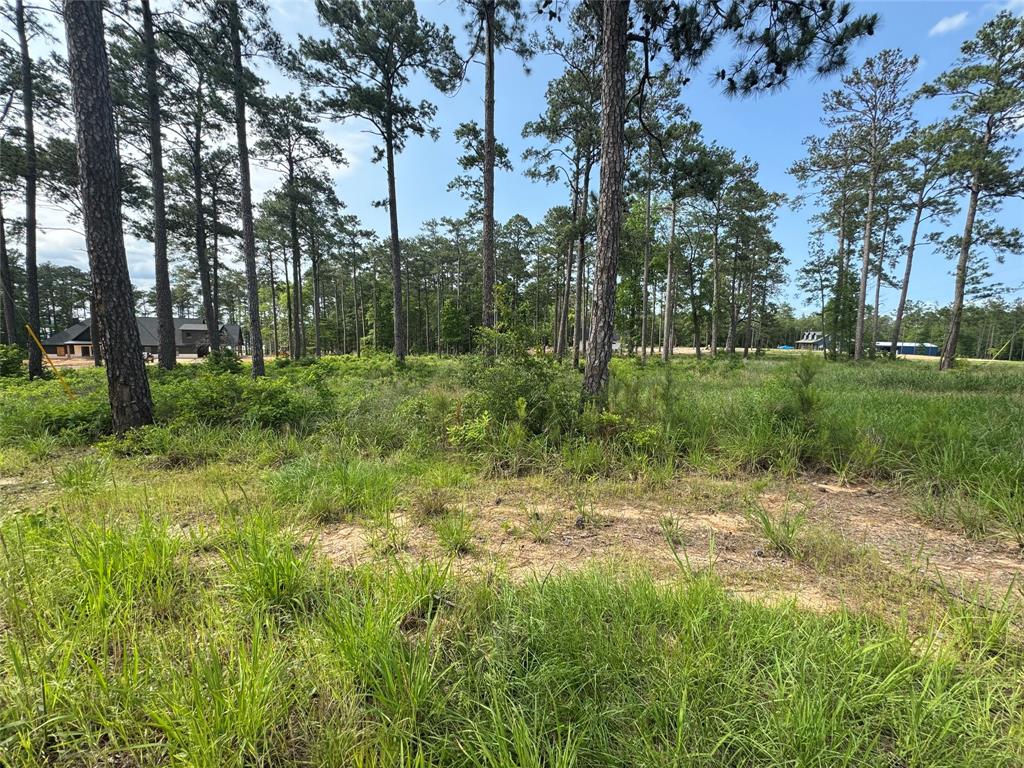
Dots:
{"x": 770, "y": 562}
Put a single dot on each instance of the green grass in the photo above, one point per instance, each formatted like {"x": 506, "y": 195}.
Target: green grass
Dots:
{"x": 122, "y": 642}
{"x": 162, "y": 601}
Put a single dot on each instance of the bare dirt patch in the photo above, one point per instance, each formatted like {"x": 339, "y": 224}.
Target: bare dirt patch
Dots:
{"x": 530, "y": 531}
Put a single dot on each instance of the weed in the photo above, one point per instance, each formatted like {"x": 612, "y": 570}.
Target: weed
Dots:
{"x": 455, "y": 532}
{"x": 268, "y": 570}
{"x": 781, "y": 530}
{"x": 84, "y": 475}
{"x": 672, "y": 529}
{"x": 539, "y": 525}
{"x": 329, "y": 492}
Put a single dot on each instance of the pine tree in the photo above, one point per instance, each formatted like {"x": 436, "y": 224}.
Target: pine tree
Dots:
{"x": 987, "y": 89}
{"x": 777, "y": 39}
{"x": 374, "y": 48}
{"x": 127, "y": 385}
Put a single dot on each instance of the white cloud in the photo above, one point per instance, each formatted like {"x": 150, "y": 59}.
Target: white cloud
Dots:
{"x": 948, "y": 24}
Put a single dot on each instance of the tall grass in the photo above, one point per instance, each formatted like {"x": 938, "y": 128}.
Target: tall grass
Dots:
{"x": 408, "y": 666}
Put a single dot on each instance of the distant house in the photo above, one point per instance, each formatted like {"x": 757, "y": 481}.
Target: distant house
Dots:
{"x": 190, "y": 337}
{"x": 814, "y": 341}
{"x": 908, "y": 348}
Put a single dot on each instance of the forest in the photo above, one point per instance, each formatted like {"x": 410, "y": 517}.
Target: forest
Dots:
{"x": 487, "y": 491}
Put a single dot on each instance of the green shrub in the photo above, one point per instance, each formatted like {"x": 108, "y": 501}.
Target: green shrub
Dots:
{"x": 223, "y": 361}
{"x": 11, "y": 360}
{"x": 534, "y": 391}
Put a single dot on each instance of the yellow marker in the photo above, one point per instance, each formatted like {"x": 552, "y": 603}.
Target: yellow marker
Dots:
{"x": 56, "y": 370}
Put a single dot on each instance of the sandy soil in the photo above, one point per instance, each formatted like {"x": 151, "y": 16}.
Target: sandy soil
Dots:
{"x": 873, "y": 553}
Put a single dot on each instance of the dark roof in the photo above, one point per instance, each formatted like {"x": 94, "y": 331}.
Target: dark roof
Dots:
{"x": 68, "y": 334}
{"x": 149, "y": 334}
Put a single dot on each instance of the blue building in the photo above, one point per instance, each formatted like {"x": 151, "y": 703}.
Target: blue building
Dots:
{"x": 907, "y": 348}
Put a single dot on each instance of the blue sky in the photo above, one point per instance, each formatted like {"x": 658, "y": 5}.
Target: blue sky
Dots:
{"x": 768, "y": 129}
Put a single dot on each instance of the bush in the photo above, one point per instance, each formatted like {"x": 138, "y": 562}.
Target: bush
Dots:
{"x": 226, "y": 399}
{"x": 223, "y": 361}
{"x": 11, "y": 360}
{"x": 502, "y": 386}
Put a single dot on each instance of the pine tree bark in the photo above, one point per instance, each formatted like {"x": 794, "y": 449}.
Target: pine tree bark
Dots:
{"x": 245, "y": 189}
{"x": 315, "y": 257}
{"x": 730, "y": 337}
{"x": 127, "y": 385}
{"x": 214, "y": 337}
{"x": 694, "y": 307}
{"x": 293, "y": 233}
{"x": 288, "y": 302}
{"x": 715, "y": 280}
{"x": 202, "y": 256}
{"x": 748, "y": 332}
{"x": 911, "y": 245}
{"x": 666, "y": 348}
{"x": 273, "y": 298}
{"x": 840, "y": 296}
{"x": 488, "y": 169}
{"x": 879, "y": 273}
{"x": 166, "y": 351}
{"x": 581, "y": 262}
{"x": 609, "y": 214}
{"x": 35, "y": 357}
{"x": 948, "y": 358}
{"x": 562, "y": 338}
{"x": 647, "y": 265}
{"x": 396, "y": 254}
{"x": 7, "y": 285}
{"x": 858, "y": 341}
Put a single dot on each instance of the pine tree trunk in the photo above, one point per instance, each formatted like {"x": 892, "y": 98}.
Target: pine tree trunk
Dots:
{"x": 647, "y": 266}
{"x": 911, "y": 245}
{"x": 245, "y": 188}
{"x": 715, "y": 280}
{"x": 694, "y": 308}
{"x": 730, "y": 338}
{"x": 359, "y": 320}
{"x": 581, "y": 263}
{"x": 488, "y": 169}
{"x": 7, "y": 285}
{"x": 396, "y": 255}
{"x": 273, "y": 298}
{"x": 609, "y": 214}
{"x": 299, "y": 343}
{"x": 666, "y": 349}
{"x": 562, "y": 338}
{"x": 202, "y": 257}
{"x": 315, "y": 256}
{"x": 956, "y": 314}
{"x": 879, "y": 274}
{"x": 127, "y": 385}
{"x": 748, "y": 335}
{"x": 214, "y": 338}
{"x": 35, "y": 357}
{"x": 288, "y": 301}
{"x": 858, "y": 342}
{"x": 166, "y": 354}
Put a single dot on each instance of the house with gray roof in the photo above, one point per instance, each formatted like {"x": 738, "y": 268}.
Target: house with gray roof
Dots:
{"x": 190, "y": 337}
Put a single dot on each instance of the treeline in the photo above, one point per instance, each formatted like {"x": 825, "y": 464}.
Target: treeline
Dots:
{"x": 879, "y": 172}
{"x": 663, "y": 234}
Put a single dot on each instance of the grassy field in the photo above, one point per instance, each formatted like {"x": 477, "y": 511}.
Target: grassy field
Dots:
{"x": 456, "y": 564}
